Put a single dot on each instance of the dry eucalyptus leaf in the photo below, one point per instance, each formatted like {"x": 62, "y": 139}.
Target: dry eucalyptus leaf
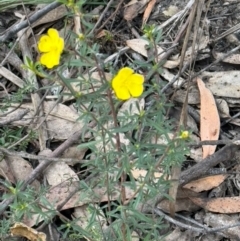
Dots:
{"x": 16, "y": 168}
{"x": 223, "y": 83}
{"x": 181, "y": 204}
{"x": 206, "y": 183}
{"x": 193, "y": 96}
{"x": 61, "y": 121}
{"x": 58, "y": 172}
{"x": 60, "y": 111}
{"x": 232, "y": 59}
{"x": 223, "y": 108}
{"x": 235, "y": 122}
{"x": 203, "y": 45}
{"x": 75, "y": 153}
{"x": 148, "y": 11}
{"x": 99, "y": 194}
{"x": 167, "y": 75}
{"x": 172, "y": 10}
{"x": 22, "y": 230}
{"x": 60, "y": 129}
{"x": 177, "y": 234}
{"x": 133, "y": 8}
{"x": 219, "y": 205}
{"x": 221, "y": 220}
{"x": 11, "y": 77}
{"x": 140, "y": 46}
{"x": 209, "y": 119}
{"x": 55, "y": 14}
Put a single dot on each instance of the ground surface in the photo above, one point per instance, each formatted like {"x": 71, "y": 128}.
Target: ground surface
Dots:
{"x": 197, "y": 55}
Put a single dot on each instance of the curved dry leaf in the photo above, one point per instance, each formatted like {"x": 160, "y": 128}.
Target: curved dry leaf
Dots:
{"x": 11, "y": 77}
{"x": 167, "y": 75}
{"x": 223, "y": 108}
{"x": 209, "y": 119}
{"x": 58, "y": 172}
{"x": 99, "y": 194}
{"x": 22, "y": 230}
{"x": 148, "y": 11}
{"x": 223, "y": 83}
{"x": 139, "y": 45}
{"x": 75, "y": 153}
{"x": 172, "y": 10}
{"x": 15, "y": 168}
{"x": 219, "y": 205}
{"x": 193, "y": 96}
{"x": 181, "y": 204}
{"x": 133, "y": 8}
{"x": 232, "y": 59}
{"x": 220, "y": 220}
{"x": 60, "y": 110}
{"x": 206, "y": 183}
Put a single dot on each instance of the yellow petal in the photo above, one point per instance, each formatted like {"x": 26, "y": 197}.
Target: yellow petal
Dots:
{"x": 122, "y": 94}
{"x": 60, "y": 45}
{"x": 50, "y": 59}
{"x": 135, "y": 85}
{"x": 44, "y": 44}
{"x": 53, "y": 34}
{"x": 51, "y": 42}
{"x": 121, "y": 77}
{"x": 127, "y": 84}
{"x": 125, "y": 72}
{"x": 137, "y": 79}
{"x": 136, "y": 90}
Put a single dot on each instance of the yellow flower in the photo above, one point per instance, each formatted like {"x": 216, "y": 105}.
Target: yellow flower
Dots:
{"x": 184, "y": 135}
{"x": 51, "y": 47}
{"x": 127, "y": 84}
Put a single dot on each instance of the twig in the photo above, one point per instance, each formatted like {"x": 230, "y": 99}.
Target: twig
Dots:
{"x": 9, "y": 33}
{"x": 218, "y": 142}
{"x": 35, "y": 157}
{"x": 216, "y": 61}
{"x": 226, "y": 153}
{"x": 102, "y": 15}
{"x": 44, "y": 164}
{"x": 10, "y": 118}
{"x": 180, "y": 224}
{"x": 203, "y": 228}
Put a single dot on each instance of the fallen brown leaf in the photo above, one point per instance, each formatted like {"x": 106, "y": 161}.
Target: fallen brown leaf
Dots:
{"x": 209, "y": 118}
{"x": 22, "y": 230}
{"x": 206, "y": 183}
{"x": 148, "y": 11}
{"x": 219, "y": 205}
{"x": 133, "y": 8}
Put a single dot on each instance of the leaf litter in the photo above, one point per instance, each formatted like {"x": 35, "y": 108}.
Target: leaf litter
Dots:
{"x": 215, "y": 98}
